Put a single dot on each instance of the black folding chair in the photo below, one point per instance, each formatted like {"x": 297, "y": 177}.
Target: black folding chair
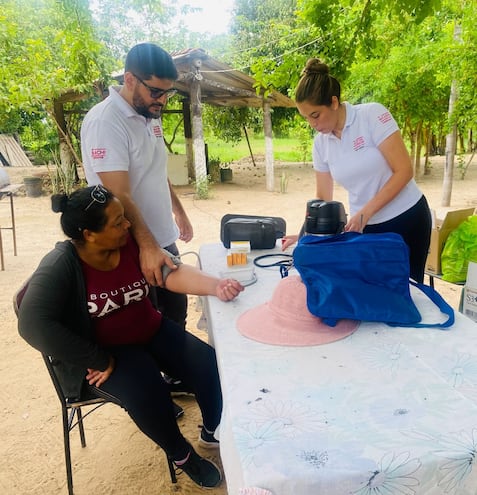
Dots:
{"x": 72, "y": 409}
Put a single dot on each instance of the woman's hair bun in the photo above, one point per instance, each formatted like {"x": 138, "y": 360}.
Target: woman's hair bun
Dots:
{"x": 315, "y": 66}
{"x": 59, "y": 202}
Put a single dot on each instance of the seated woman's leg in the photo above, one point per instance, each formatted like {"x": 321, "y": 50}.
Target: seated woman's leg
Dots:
{"x": 181, "y": 354}
{"x": 137, "y": 382}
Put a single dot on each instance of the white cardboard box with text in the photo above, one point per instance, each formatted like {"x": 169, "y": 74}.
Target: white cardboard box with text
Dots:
{"x": 469, "y": 307}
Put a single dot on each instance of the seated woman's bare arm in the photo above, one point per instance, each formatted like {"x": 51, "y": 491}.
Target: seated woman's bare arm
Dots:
{"x": 190, "y": 280}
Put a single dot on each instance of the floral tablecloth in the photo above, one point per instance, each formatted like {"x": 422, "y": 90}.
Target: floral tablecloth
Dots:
{"x": 386, "y": 411}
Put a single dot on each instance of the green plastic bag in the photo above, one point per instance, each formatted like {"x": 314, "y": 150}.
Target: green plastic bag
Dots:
{"x": 459, "y": 249}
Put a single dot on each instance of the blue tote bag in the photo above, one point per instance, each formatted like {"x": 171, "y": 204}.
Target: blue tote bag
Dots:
{"x": 362, "y": 277}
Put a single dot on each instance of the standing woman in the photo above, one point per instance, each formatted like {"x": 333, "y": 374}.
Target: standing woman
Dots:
{"x": 361, "y": 148}
{"x": 87, "y": 306}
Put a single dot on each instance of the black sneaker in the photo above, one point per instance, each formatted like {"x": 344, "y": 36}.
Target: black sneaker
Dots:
{"x": 207, "y": 440}
{"x": 177, "y": 388}
{"x": 178, "y": 411}
{"x": 201, "y": 471}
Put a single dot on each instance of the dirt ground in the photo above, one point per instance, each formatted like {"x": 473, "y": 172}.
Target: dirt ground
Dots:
{"x": 118, "y": 458}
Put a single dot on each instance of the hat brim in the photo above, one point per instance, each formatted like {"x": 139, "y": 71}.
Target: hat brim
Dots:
{"x": 263, "y": 325}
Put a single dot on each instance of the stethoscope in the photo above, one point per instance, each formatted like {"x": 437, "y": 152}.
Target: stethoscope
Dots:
{"x": 285, "y": 262}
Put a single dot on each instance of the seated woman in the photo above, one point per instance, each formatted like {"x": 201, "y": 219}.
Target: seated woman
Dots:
{"x": 87, "y": 306}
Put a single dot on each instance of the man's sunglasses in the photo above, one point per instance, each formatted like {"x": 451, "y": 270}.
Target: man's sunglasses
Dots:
{"x": 157, "y": 92}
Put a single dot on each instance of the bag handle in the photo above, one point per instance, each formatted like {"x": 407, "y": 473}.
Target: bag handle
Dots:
{"x": 439, "y": 301}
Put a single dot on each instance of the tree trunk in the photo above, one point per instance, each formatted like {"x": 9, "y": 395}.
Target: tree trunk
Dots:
{"x": 451, "y": 137}
{"x": 417, "y": 151}
{"x": 67, "y": 169}
{"x": 428, "y": 143}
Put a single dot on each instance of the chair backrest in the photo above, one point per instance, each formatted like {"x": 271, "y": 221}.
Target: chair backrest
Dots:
{"x": 49, "y": 361}
{"x": 17, "y": 300}
{"x": 86, "y": 398}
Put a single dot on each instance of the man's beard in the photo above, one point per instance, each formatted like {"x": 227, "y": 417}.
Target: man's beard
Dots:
{"x": 144, "y": 110}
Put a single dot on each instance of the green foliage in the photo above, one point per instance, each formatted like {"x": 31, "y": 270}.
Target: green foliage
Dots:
{"x": 415, "y": 76}
{"x": 464, "y": 56}
{"x": 47, "y": 48}
{"x": 284, "y": 182}
{"x": 227, "y": 123}
{"x": 214, "y": 167}
{"x": 265, "y": 36}
{"x": 123, "y": 24}
{"x": 41, "y": 138}
{"x": 348, "y": 27}
{"x": 263, "y": 31}
{"x": 61, "y": 181}
{"x": 410, "y": 68}
{"x": 202, "y": 187}
{"x": 284, "y": 149}
{"x": 400, "y": 53}
{"x": 303, "y": 134}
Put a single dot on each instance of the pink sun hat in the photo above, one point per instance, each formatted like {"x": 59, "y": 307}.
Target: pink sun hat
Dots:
{"x": 285, "y": 319}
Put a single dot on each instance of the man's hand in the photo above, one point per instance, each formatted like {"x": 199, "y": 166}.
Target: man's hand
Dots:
{"x": 186, "y": 232}
{"x": 152, "y": 259}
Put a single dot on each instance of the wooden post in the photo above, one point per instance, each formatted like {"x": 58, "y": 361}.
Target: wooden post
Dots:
{"x": 197, "y": 129}
{"x": 267, "y": 128}
{"x": 188, "y": 138}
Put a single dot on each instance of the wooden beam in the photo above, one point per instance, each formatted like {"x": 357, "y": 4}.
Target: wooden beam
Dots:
{"x": 230, "y": 90}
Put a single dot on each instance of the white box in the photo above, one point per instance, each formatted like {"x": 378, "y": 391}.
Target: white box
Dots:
{"x": 469, "y": 306}
{"x": 240, "y": 247}
{"x": 177, "y": 170}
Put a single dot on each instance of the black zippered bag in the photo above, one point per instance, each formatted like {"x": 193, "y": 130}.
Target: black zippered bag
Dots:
{"x": 261, "y": 231}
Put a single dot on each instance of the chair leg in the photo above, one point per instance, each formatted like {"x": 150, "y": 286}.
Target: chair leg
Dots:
{"x": 12, "y": 214}
{"x": 172, "y": 470}
{"x": 66, "y": 441}
{"x": 67, "y": 422}
{"x": 79, "y": 415}
{"x": 2, "y": 262}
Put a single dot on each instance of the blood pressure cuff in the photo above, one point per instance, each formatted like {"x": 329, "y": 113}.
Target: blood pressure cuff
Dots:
{"x": 166, "y": 270}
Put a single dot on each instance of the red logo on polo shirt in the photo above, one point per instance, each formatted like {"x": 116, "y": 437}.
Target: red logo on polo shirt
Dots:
{"x": 358, "y": 143}
{"x": 98, "y": 153}
{"x": 384, "y": 118}
{"x": 157, "y": 130}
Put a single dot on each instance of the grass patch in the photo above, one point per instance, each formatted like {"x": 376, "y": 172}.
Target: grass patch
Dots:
{"x": 284, "y": 149}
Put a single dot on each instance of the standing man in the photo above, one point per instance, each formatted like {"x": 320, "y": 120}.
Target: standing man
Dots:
{"x": 123, "y": 148}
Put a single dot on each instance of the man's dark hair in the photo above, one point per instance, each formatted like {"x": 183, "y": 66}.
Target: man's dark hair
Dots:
{"x": 147, "y": 60}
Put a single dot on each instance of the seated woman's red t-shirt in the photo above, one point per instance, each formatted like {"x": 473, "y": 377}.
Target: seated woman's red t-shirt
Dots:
{"x": 118, "y": 301}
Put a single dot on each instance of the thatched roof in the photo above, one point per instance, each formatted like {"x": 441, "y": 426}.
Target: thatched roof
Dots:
{"x": 220, "y": 84}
